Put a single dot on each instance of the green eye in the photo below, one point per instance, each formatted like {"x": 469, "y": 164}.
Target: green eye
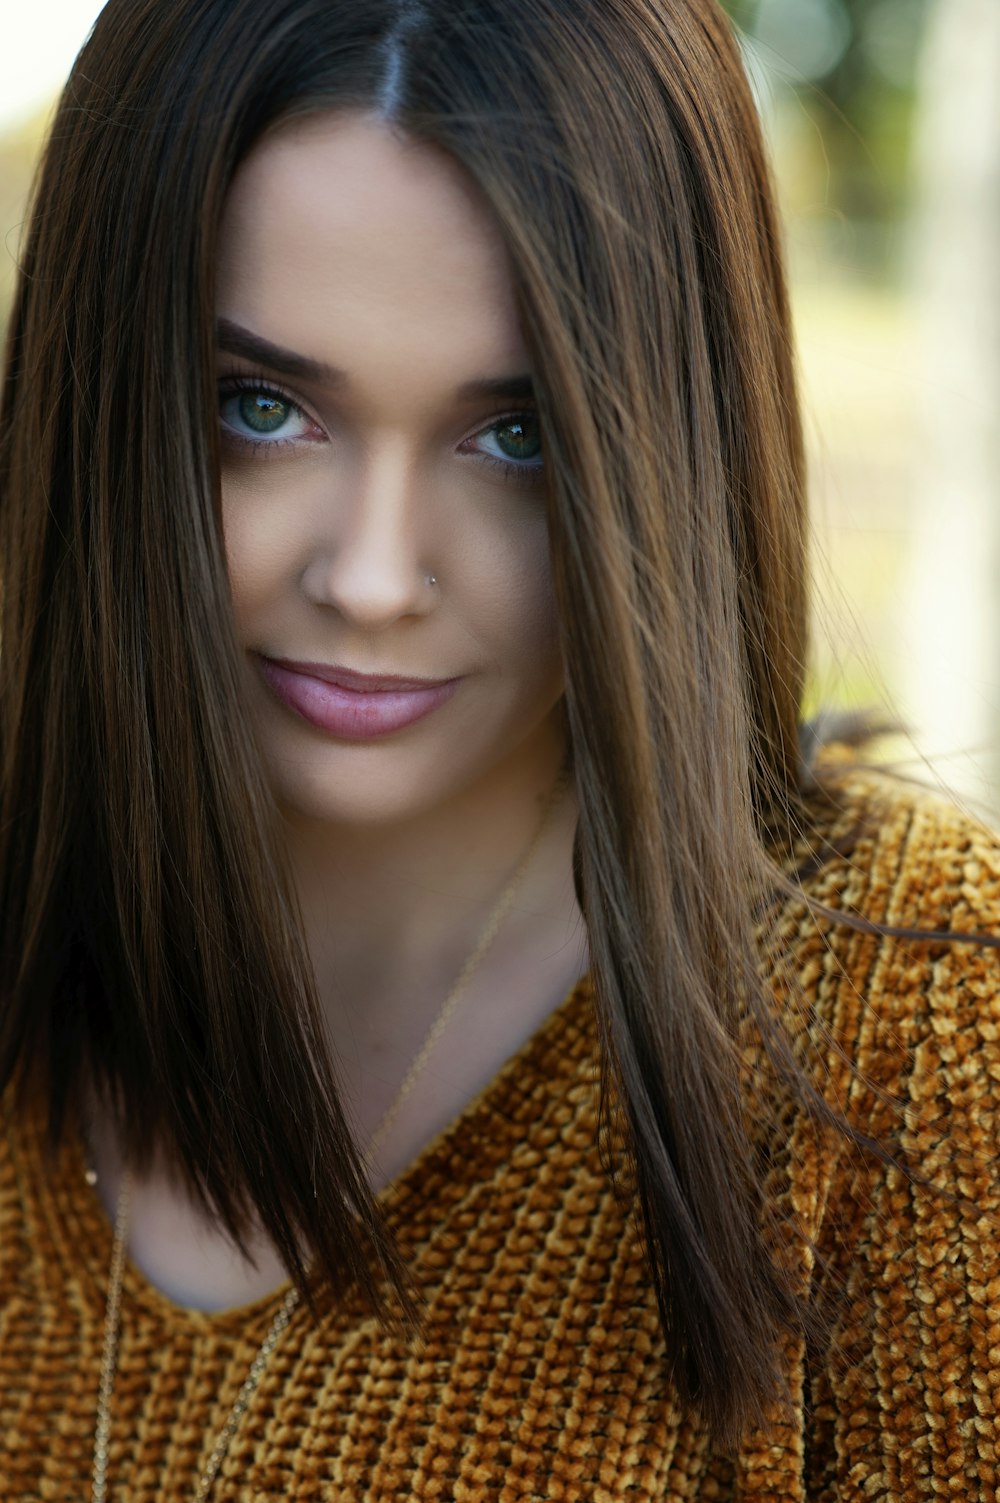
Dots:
{"x": 262, "y": 412}
{"x": 513, "y": 446}
{"x": 519, "y": 438}
{"x": 261, "y": 416}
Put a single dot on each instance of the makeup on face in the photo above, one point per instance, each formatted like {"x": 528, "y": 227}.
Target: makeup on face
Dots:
{"x": 350, "y": 705}
{"x": 379, "y": 427}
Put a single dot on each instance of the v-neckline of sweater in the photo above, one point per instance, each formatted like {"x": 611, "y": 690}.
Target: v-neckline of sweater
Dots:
{"x": 82, "y": 1235}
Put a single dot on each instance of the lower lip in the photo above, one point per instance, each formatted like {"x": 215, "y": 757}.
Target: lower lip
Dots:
{"x": 353, "y": 714}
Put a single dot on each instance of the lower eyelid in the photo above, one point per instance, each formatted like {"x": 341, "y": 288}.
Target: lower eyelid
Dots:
{"x": 527, "y": 467}
{"x": 234, "y": 388}
{"x": 526, "y": 471}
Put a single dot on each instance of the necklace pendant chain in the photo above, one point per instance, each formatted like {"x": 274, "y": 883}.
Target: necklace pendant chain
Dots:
{"x": 109, "y": 1362}
{"x": 276, "y": 1330}
{"x": 285, "y": 1311}
{"x": 109, "y": 1353}
{"x": 502, "y": 907}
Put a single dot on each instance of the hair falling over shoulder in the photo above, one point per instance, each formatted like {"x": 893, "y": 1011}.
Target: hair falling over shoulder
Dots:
{"x": 150, "y": 937}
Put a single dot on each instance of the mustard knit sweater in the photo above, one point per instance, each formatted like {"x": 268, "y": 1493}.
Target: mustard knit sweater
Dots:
{"x": 542, "y": 1374}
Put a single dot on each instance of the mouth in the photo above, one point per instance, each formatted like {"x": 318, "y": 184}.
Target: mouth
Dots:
{"x": 360, "y": 683}
{"x": 349, "y": 705}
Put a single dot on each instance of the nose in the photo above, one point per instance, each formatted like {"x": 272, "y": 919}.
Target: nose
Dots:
{"x": 367, "y": 561}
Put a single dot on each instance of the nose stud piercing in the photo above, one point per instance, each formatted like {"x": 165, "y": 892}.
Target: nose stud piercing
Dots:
{"x": 431, "y": 579}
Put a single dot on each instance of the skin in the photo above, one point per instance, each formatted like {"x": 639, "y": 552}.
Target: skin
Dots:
{"x": 365, "y": 251}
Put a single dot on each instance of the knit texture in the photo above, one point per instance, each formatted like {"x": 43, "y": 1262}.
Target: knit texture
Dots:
{"x": 542, "y": 1373}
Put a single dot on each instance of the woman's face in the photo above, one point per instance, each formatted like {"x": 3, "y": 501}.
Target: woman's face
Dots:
{"x": 382, "y": 485}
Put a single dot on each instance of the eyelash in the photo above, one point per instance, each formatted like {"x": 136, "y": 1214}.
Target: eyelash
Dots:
{"x": 523, "y": 474}
{"x": 259, "y": 447}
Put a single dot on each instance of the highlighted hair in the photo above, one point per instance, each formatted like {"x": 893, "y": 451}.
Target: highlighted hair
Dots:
{"x": 150, "y": 938}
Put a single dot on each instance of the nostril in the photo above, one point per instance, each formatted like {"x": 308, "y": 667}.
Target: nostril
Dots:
{"x": 369, "y": 588}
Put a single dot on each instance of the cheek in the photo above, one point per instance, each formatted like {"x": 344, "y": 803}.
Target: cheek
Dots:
{"x": 260, "y": 542}
{"x": 509, "y": 583}
{"x": 239, "y": 538}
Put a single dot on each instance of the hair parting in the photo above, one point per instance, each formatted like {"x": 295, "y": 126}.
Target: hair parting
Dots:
{"x": 151, "y": 940}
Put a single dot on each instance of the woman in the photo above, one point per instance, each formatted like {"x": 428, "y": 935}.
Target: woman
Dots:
{"x": 452, "y": 1046}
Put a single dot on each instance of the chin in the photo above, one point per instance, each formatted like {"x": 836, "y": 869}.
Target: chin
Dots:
{"x": 403, "y": 777}
{"x": 368, "y": 786}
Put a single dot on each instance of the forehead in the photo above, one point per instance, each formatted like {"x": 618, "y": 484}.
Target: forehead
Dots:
{"x": 343, "y": 228}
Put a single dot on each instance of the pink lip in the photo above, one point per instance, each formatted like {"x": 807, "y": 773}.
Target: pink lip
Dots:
{"x": 350, "y": 705}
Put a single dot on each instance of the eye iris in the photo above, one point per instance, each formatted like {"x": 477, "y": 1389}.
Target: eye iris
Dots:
{"x": 262, "y": 412}
{"x": 520, "y": 439}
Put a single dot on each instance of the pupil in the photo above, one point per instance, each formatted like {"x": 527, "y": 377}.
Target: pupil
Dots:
{"x": 262, "y": 412}
{"x": 520, "y": 439}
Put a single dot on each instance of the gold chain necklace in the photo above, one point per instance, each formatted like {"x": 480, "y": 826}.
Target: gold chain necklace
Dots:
{"x": 285, "y": 1311}
{"x": 112, "y": 1325}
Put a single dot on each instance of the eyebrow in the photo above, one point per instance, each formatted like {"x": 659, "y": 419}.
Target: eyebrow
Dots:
{"x": 504, "y": 388}
{"x": 234, "y": 339}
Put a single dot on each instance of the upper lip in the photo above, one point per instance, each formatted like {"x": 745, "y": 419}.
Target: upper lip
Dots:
{"x": 350, "y": 678}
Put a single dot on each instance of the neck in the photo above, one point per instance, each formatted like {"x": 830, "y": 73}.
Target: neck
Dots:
{"x": 383, "y": 905}
{"x": 391, "y": 916}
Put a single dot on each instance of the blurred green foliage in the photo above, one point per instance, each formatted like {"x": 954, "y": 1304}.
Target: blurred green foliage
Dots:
{"x": 852, "y": 67}
{"x": 840, "y": 74}
{"x": 838, "y": 83}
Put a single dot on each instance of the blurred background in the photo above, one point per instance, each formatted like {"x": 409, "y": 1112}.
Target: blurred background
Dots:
{"x": 884, "y": 123}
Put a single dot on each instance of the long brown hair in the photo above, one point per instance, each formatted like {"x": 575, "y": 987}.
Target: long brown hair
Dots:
{"x": 149, "y": 933}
